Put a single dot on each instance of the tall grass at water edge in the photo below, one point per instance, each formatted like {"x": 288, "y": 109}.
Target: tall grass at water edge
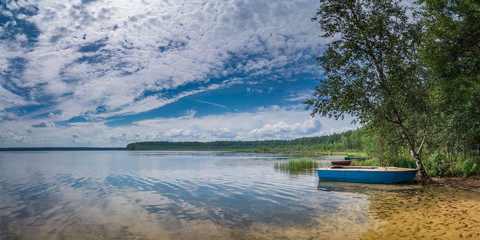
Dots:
{"x": 297, "y": 164}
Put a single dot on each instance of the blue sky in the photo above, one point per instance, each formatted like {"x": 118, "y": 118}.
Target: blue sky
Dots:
{"x": 107, "y": 73}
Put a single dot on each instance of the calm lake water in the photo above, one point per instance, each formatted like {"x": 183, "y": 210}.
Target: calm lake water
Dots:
{"x": 213, "y": 195}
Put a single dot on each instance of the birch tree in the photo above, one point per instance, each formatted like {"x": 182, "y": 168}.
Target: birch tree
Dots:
{"x": 372, "y": 72}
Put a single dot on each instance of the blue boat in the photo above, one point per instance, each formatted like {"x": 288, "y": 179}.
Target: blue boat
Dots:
{"x": 367, "y": 174}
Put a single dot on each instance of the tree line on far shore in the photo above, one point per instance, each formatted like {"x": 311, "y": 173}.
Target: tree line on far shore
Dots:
{"x": 349, "y": 141}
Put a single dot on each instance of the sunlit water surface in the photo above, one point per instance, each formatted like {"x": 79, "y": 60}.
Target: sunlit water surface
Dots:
{"x": 213, "y": 195}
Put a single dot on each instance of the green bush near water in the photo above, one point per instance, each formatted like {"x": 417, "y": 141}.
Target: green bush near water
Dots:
{"x": 367, "y": 162}
{"x": 438, "y": 165}
{"x": 402, "y": 162}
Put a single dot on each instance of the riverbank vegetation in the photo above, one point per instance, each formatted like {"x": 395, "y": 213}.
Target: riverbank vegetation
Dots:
{"x": 410, "y": 73}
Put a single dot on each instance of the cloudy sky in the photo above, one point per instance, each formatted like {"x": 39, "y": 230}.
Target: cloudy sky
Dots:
{"x": 111, "y": 72}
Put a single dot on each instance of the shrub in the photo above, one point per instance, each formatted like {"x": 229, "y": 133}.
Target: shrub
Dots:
{"x": 436, "y": 165}
{"x": 366, "y": 162}
{"x": 404, "y": 162}
{"x": 469, "y": 167}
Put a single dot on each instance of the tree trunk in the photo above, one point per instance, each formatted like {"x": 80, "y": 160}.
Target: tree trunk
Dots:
{"x": 420, "y": 167}
{"x": 415, "y": 154}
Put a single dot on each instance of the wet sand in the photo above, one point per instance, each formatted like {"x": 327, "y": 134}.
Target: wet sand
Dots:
{"x": 432, "y": 212}
{"x": 469, "y": 184}
{"x": 393, "y": 212}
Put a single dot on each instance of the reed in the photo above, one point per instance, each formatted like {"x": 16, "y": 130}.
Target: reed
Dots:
{"x": 297, "y": 164}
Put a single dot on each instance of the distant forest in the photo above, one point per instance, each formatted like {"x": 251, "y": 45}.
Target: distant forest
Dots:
{"x": 62, "y": 149}
{"x": 350, "y": 141}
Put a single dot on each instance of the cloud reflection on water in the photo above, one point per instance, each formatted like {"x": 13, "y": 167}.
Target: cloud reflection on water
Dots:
{"x": 172, "y": 195}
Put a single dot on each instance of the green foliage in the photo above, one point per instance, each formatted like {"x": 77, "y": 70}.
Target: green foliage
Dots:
{"x": 470, "y": 168}
{"x": 455, "y": 170}
{"x": 371, "y": 68}
{"x": 372, "y": 71}
{"x": 451, "y": 53}
{"x": 410, "y": 73}
{"x": 367, "y": 162}
{"x": 404, "y": 162}
{"x": 438, "y": 165}
{"x": 399, "y": 161}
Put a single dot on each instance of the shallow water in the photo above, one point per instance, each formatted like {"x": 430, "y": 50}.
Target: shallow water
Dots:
{"x": 213, "y": 195}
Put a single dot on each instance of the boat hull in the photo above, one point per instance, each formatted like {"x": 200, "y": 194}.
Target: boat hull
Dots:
{"x": 368, "y": 174}
{"x": 343, "y": 163}
{"x": 355, "y": 158}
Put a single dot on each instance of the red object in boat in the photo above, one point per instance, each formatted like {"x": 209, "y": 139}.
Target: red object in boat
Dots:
{"x": 344, "y": 163}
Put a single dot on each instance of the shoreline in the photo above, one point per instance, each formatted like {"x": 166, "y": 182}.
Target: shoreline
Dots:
{"x": 465, "y": 184}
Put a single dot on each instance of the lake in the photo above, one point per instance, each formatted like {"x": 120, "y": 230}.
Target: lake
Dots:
{"x": 213, "y": 195}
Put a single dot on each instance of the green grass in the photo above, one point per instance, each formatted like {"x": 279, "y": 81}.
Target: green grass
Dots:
{"x": 297, "y": 164}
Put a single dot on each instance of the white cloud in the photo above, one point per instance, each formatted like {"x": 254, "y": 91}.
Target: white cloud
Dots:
{"x": 4, "y": 116}
{"x": 265, "y": 123}
{"x": 300, "y": 97}
{"x": 44, "y": 125}
{"x": 211, "y": 103}
{"x": 129, "y": 57}
{"x": 153, "y": 45}
{"x": 282, "y": 129}
{"x": 9, "y": 99}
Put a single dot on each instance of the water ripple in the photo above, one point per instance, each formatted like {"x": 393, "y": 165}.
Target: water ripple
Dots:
{"x": 165, "y": 195}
